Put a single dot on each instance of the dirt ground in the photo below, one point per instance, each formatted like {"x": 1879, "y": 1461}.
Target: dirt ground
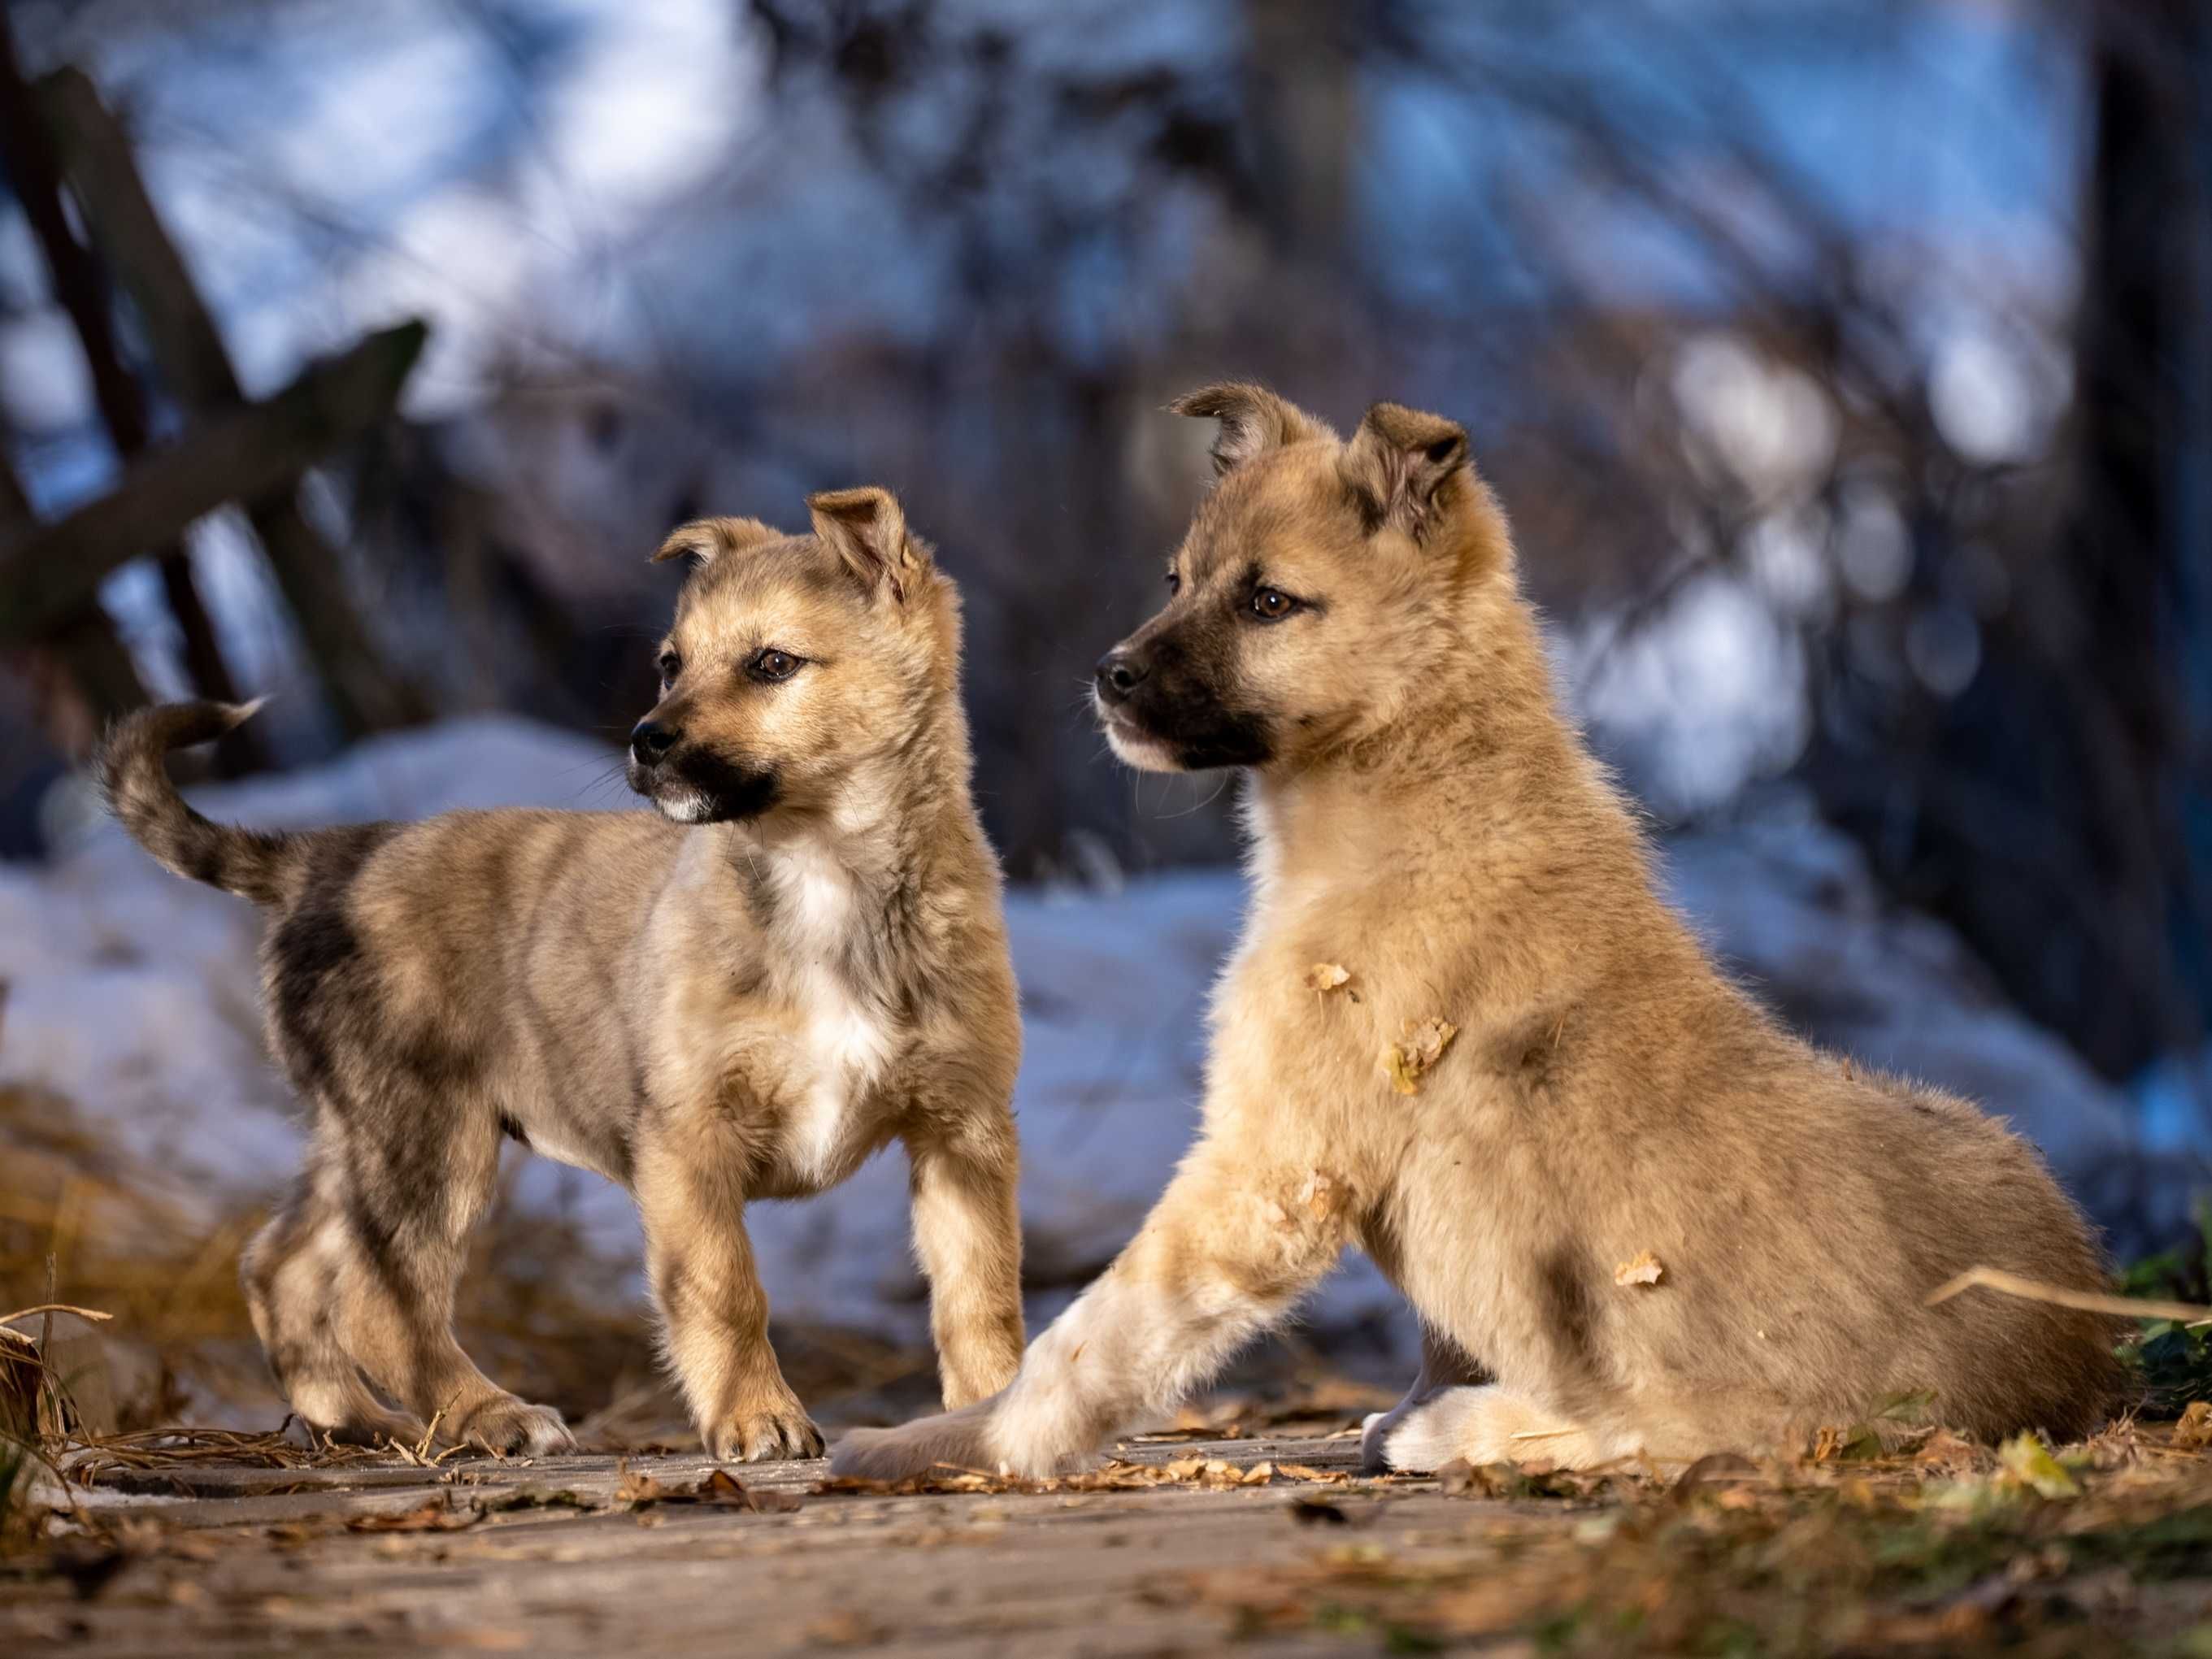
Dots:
{"x": 1270, "y": 1542}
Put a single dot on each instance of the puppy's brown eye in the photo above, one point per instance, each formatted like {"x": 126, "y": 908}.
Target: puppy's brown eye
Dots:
{"x": 1272, "y": 605}
{"x": 670, "y": 665}
{"x": 772, "y": 666}
{"x": 1175, "y": 584}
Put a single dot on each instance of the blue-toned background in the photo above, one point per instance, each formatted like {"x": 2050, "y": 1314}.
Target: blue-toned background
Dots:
{"x": 1846, "y": 366}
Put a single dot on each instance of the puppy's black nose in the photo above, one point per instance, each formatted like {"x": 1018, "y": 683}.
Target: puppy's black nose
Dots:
{"x": 649, "y": 740}
{"x": 1119, "y": 674}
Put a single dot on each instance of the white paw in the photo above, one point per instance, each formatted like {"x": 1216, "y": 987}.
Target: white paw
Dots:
{"x": 1431, "y": 1435}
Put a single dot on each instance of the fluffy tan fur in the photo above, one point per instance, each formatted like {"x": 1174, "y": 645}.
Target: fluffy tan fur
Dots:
{"x": 1528, "y": 1075}
{"x": 800, "y": 958}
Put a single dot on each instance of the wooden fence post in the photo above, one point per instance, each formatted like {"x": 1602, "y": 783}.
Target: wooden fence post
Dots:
{"x": 95, "y": 157}
{"x": 122, "y": 403}
{"x": 83, "y": 644}
{"x": 49, "y": 571}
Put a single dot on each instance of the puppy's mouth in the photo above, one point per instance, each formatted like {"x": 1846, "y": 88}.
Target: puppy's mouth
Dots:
{"x": 698, "y": 787}
{"x": 1197, "y": 741}
{"x": 1132, "y": 745}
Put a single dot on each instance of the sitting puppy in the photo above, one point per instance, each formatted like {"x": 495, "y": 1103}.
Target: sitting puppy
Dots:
{"x": 800, "y": 957}
{"x": 1462, "y": 1032}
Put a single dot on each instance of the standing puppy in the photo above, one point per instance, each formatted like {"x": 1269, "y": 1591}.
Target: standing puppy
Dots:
{"x": 1463, "y": 1032}
{"x": 801, "y": 957}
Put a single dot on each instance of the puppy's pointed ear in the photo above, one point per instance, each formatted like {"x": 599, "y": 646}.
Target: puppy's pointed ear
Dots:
{"x": 1402, "y": 467}
{"x": 867, "y": 531}
{"x": 708, "y": 539}
{"x": 1254, "y": 420}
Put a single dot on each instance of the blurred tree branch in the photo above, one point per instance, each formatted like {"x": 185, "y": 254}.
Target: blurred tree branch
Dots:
{"x": 48, "y": 570}
{"x": 36, "y": 176}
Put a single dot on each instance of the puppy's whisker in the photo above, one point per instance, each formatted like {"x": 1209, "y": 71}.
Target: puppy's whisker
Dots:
{"x": 1200, "y": 806}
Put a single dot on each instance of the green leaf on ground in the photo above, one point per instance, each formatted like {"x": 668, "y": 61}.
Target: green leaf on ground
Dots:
{"x": 2027, "y": 1461}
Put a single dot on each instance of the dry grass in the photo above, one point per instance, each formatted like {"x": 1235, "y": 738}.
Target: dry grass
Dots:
{"x": 2105, "y": 1547}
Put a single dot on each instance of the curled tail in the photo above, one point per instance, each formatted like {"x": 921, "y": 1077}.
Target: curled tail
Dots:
{"x": 132, "y": 774}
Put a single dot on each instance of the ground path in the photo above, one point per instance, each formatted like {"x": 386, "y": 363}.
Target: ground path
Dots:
{"x": 1270, "y": 1543}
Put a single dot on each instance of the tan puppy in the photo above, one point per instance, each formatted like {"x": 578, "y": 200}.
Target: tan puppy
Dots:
{"x": 801, "y": 958}
{"x": 1462, "y": 1032}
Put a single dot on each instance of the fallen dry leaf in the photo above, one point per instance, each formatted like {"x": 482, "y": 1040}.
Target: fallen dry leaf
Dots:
{"x": 1420, "y": 1048}
{"x": 1460, "y": 1478}
{"x": 1645, "y": 1269}
{"x": 538, "y": 1497}
{"x": 718, "y": 1488}
{"x": 1215, "y": 1471}
{"x": 1854, "y": 1442}
{"x": 1947, "y": 1452}
{"x": 1114, "y": 1474}
{"x": 436, "y": 1515}
{"x": 1307, "y": 1472}
{"x": 1323, "y": 1195}
{"x": 1327, "y": 976}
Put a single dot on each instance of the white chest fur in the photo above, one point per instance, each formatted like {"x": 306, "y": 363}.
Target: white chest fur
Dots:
{"x": 845, "y": 1040}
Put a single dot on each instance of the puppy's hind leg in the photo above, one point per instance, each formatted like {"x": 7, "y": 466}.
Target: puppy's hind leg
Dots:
{"x": 410, "y": 1207}
{"x": 290, "y": 1273}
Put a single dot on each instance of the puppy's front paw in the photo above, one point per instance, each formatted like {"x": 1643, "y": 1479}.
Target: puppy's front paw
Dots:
{"x": 1421, "y": 1437}
{"x": 1487, "y": 1425}
{"x": 507, "y": 1427}
{"x": 762, "y": 1433}
{"x": 928, "y": 1445}
{"x": 1374, "y": 1429}
{"x": 1378, "y": 1429}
